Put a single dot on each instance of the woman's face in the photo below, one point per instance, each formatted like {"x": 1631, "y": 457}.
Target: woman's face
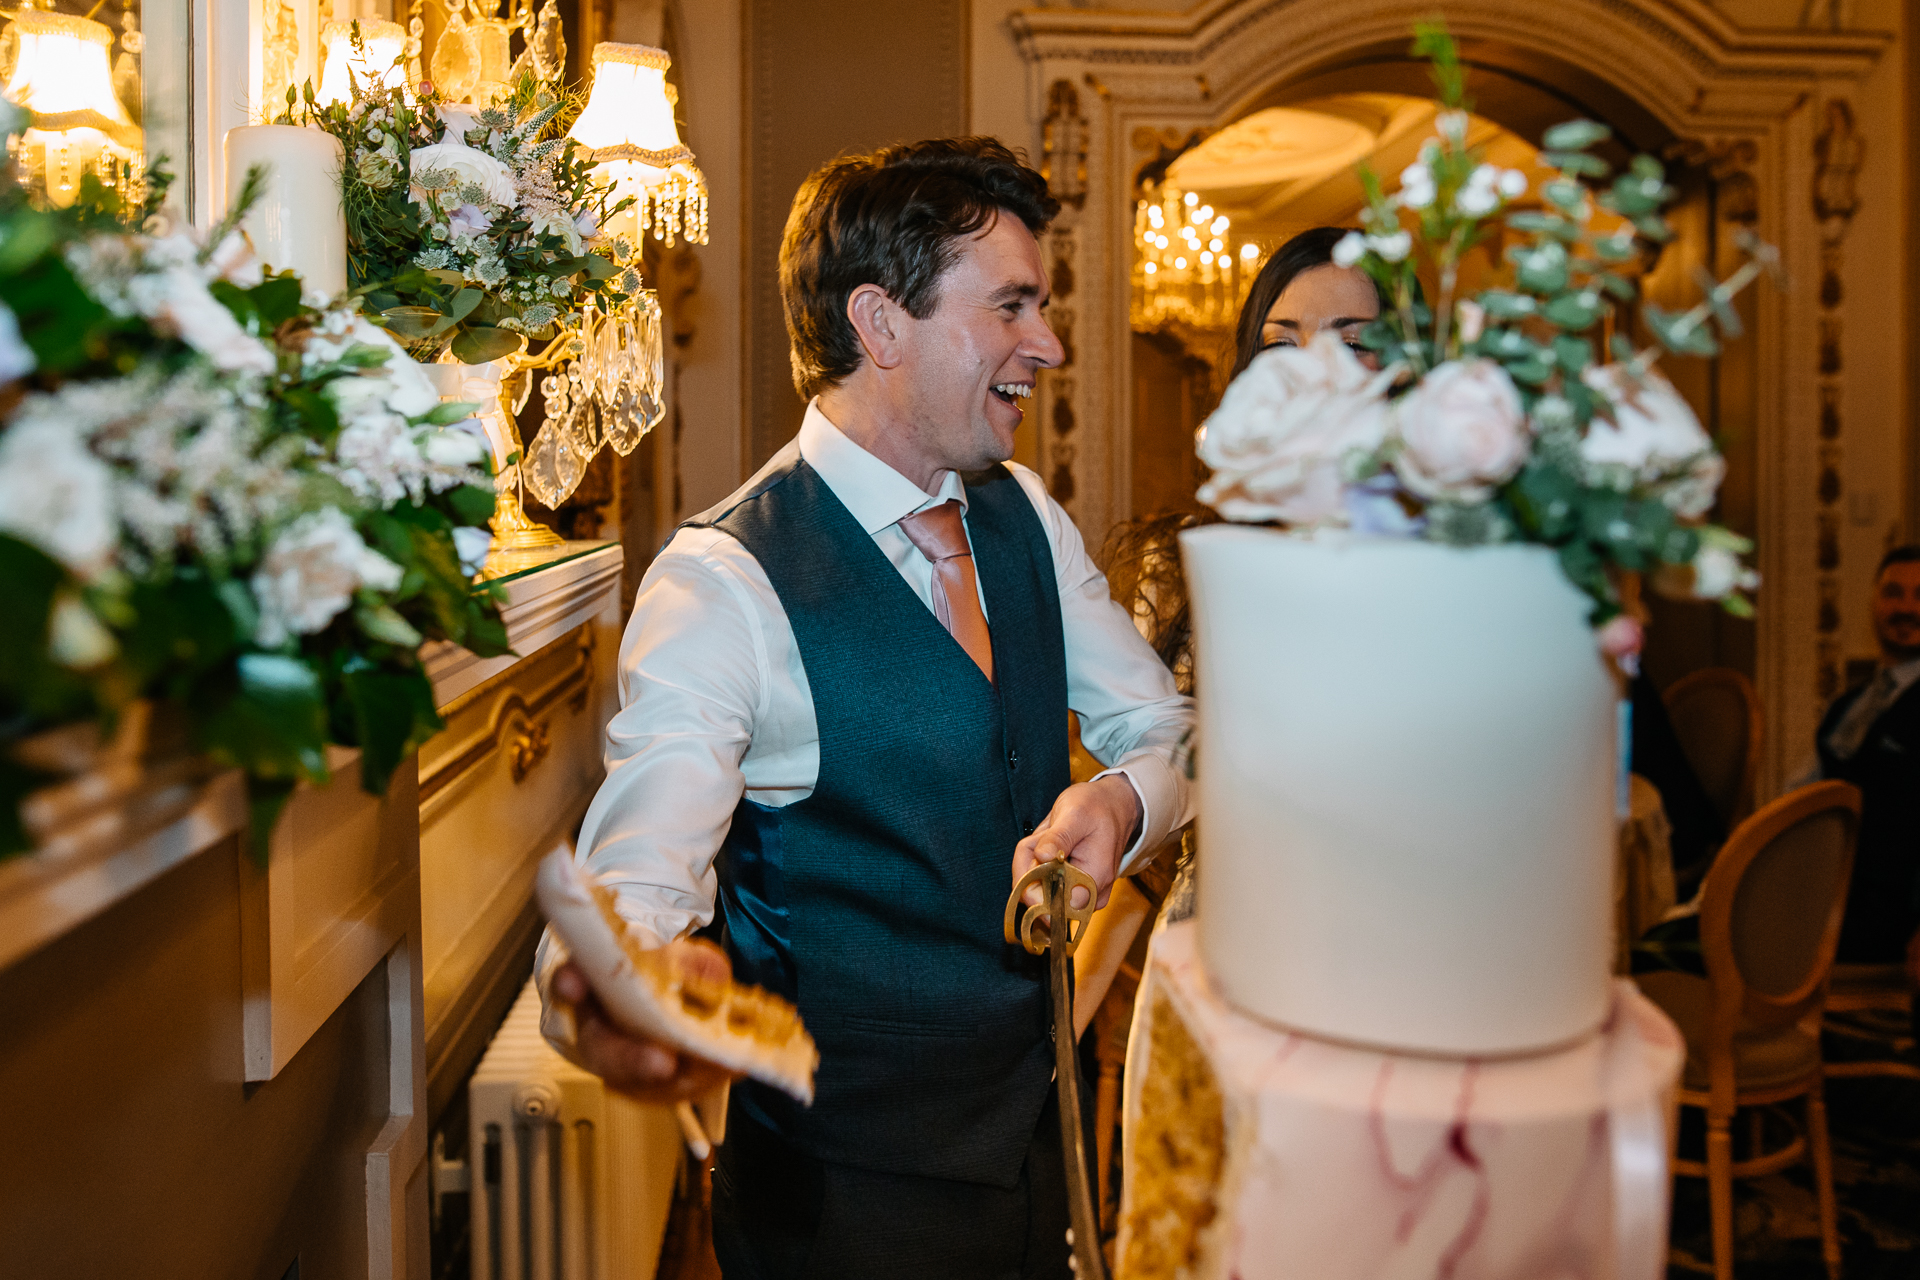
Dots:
{"x": 1327, "y": 297}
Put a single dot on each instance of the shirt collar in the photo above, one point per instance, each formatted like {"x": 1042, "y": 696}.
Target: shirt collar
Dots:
{"x": 1904, "y": 674}
{"x": 874, "y": 492}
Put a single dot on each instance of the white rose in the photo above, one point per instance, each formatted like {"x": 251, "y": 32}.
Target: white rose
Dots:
{"x": 55, "y": 494}
{"x": 234, "y": 261}
{"x": 75, "y": 638}
{"x": 1512, "y": 184}
{"x": 468, "y": 165}
{"x": 1279, "y": 441}
{"x": 1718, "y": 573}
{"x": 311, "y": 572}
{"x": 1416, "y": 186}
{"x": 1481, "y": 194}
{"x": 471, "y": 545}
{"x": 451, "y": 447}
{"x": 1391, "y": 248}
{"x": 205, "y": 324}
{"x": 458, "y": 120}
{"x": 1654, "y": 439}
{"x": 1349, "y": 249}
{"x": 16, "y": 357}
{"x": 1462, "y": 432}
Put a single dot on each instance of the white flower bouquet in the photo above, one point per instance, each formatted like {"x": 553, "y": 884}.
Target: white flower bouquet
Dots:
{"x": 1498, "y": 417}
{"x": 468, "y": 227}
{"x": 214, "y": 494}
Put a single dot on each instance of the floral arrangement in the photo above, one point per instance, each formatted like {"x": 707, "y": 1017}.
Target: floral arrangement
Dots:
{"x": 215, "y": 494}
{"x": 468, "y": 227}
{"x": 1494, "y": 418}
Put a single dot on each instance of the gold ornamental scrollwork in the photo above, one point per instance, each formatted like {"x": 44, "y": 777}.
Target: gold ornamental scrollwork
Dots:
{"x": 1837, "y": 153}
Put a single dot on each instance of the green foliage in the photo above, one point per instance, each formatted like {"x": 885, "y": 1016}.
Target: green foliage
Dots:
{"x": 1542, "y": 324}
{"x": 479, "y": 286}
{"x": 184, "y": 627}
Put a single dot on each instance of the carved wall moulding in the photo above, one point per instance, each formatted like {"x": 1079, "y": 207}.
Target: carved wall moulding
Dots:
{"x": 1837, "y": 152}
{"x": 1063, "y": 145}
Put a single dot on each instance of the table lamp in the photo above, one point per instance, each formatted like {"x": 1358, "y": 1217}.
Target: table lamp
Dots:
{"x": 62, "y": 76}
{"x": 384, "y": 45}
{"x": 628, "y": 126}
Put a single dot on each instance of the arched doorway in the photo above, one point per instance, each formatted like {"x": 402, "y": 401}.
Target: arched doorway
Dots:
{"x": 1742, "y": 117}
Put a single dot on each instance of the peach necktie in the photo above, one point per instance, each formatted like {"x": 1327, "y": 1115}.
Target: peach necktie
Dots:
{"x": 941, "y": 537}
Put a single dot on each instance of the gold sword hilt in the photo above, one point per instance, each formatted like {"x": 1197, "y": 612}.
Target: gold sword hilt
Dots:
{"x": 1035, "y": 930}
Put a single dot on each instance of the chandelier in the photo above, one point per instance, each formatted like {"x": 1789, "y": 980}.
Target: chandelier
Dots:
{"x": 1188, "y": 271}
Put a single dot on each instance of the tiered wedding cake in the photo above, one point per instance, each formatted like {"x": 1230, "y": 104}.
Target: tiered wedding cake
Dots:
{"x": 1389, "y": 1044}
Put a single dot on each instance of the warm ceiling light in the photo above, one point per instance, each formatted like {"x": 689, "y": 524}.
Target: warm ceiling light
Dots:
{"x": 380, "y": 58}
{"x": 61, "y": 75}
{"x": 1248, "y": 252}
{"x": 1220, "y": 225}
{"x": 628, "y": 127}
{"x": 1179, "y": 264}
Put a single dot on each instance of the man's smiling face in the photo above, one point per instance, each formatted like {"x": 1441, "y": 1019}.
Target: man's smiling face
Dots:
{"x": 974, "y": 359}
{"x": 1896, "y": 610}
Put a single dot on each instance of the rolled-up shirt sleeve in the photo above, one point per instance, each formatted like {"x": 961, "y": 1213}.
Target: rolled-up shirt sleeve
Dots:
{"x": 1132, "y": 717}
{"x": 692, "y": 682}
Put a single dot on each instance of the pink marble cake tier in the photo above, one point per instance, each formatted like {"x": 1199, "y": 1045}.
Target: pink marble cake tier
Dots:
{"x": 1253, "y": 1153}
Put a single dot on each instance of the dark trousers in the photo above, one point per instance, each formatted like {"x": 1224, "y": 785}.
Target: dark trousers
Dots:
{"x": 782, "y": 1215}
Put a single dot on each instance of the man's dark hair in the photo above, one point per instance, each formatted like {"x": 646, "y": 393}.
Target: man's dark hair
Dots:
{"x": 893, "y": 219}
{"x": 1899, "y": 555}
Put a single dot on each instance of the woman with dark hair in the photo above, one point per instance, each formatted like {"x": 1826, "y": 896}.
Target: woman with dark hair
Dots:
{"x": 1300, "y": 292}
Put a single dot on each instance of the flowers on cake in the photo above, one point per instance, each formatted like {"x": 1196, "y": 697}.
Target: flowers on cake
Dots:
{"x": 1287, "y": 432}
{"x": 217, "y": 494}
{"x": 1463, "y": 432}
{"x": 1500, "y": 416}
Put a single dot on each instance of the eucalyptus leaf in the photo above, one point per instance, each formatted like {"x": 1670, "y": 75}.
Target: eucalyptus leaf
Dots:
{"x": 414, "y": 322}
{"x": 1573, "y": 311}
{"x": 387, "y": 626}
{"x": 464, "y": 302}
{"x": 1499, "y": 304}
{"x": 479, "y": 345}
{"x": 1574, "y": 135}
{"x": 1577, "y": 163}
{"x": 1572, "y": 354}
{"x": 1546, "y": 224}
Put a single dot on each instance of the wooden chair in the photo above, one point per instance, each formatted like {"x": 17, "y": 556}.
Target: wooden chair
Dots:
{"x": 1717, "y": 717}
{"x": 1857, "y": 988}
{"x": 1769, "y": 922}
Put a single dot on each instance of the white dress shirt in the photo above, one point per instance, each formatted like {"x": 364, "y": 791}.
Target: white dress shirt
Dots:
{"x": 714, "y": 701}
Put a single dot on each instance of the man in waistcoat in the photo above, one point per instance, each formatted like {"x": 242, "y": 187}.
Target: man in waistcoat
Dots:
{"x": 1870, "y": 737}
{"x": 844, "y": 731}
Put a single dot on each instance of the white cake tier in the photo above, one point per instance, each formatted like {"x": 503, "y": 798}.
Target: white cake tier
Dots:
{"x": 1406, "y": 777}
{"x": 1260, "y": 1154}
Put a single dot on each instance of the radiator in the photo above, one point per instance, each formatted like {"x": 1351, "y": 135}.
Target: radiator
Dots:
{"x": 573, "y": 1181}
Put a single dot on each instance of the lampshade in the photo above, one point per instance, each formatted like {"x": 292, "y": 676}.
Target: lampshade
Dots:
{"x": 62, "y": 76}
{"x": 629, "y": 128}
{"x": 385, "y": 44}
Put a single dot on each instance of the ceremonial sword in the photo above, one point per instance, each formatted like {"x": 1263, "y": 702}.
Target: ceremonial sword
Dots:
{"x": 1057, "y": 881}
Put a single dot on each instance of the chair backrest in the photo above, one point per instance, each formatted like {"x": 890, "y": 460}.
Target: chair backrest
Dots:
{"x": 1771, "y": 908}
{"x": 1717, "y": 717}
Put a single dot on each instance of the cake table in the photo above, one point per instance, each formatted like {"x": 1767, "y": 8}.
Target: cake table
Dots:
{"x": 1252, "y": 1153}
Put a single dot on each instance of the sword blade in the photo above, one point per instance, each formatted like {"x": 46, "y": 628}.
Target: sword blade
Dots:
{"x": 1066, "y": 1070}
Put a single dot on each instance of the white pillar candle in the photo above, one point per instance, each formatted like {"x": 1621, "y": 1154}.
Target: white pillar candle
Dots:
{"x": 298, "y": 222}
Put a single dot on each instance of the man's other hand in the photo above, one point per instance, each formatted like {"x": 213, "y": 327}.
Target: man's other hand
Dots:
{"x": 1091, "y": 825}
{"x": 644, "y": 1070}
